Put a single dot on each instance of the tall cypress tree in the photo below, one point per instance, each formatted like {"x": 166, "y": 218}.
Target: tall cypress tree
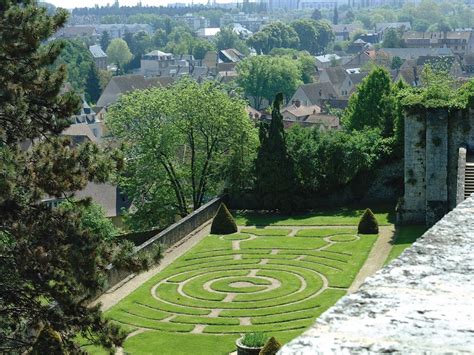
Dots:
{"x": 93, "y": 88}
{"x": 335, "y": 19}
{"x": 51, "y": 265}
{"x": 275, "y": 173}
{"x": 104, "y": 40}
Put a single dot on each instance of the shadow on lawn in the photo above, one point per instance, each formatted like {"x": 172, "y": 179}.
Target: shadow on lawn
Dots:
{"x": 261, "y": 219}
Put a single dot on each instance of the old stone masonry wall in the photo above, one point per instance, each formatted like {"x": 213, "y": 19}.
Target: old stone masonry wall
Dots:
{"x": 423, "y": 302}
{"x": 432, "y": 141}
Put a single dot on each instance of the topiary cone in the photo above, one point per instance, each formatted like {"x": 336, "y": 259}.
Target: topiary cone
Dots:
{"x": 223, "y": 222}
{"x": 271, "y": 347}
{"x": 368, "y": 223}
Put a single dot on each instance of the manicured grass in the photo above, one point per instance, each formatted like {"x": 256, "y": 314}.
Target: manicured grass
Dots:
{"x": 266, "y": 231}
{"x": 273, "y": 282}
{"x": 405, "y": 237}
{"x": 329, "y": 217}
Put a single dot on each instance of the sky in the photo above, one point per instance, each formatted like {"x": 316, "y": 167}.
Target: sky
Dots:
{"x": 69, "y": 4}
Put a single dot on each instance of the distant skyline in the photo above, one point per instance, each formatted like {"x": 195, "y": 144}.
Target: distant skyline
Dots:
{"x": 70, "y": 4}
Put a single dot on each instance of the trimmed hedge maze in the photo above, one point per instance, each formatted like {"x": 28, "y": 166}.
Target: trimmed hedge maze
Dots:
{"x": 275, "y": 280}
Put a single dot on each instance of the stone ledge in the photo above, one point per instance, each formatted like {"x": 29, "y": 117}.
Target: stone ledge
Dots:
{"x": 423, "y": 302}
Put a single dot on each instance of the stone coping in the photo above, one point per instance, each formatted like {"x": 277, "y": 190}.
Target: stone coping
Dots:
{"x": 422, "y": 302}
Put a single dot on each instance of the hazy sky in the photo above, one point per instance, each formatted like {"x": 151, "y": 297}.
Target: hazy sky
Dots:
{"x": 69, "y": 4}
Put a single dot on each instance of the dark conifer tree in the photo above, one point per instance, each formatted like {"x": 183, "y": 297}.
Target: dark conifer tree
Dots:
{"x": 93, "y": 89}
{"x": 275, "y": 173}
{"x": 104, "y": 40}
{"x": 335, "y": 19}
{"x": 51, "y": 266}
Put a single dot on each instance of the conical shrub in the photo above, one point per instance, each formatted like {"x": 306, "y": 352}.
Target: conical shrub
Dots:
{"x": 368, "y": 223}
{"x": 223, "y": 222}
{"x": 271, "y": 347}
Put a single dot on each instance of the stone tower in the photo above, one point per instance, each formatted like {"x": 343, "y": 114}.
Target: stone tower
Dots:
{"x": 434, "y": 167}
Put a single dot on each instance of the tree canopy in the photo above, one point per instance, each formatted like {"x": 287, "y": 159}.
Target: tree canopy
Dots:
{"x": 261, "y": 77}
{"x": 181, "y": 144}
{"x": 53, "y": 264}
{"x": 118, "y": 52}
{"x": 274, "y": 35}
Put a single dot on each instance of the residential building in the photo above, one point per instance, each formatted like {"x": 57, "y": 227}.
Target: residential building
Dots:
{"x": 155, "y": 61}
{"x": 415, "y": 53}
{"x": 282, "y": 5}
{"x": 118, "y": 30}
{"x": 344, "y": 81}
{"x": 298, "y": 112}
{"x": 193, "y": 22}
{"x": 460, "y": 42}
{"x": 208, "y": 32}
{"x": 99, "y": 56}
{"x": 344, "y": 32}
{"x": 327, "y": 60}
{"x": 119, "y": 85}
{"x": 230, "y": 55}
{"x": 87, "y": 118}
{"x": 317, "y": 4}
{"x": 314, "y": 94}
{"x": 69, "y": 32}
{"x": 382, "y": 27}
{"x": 252, "y": 23}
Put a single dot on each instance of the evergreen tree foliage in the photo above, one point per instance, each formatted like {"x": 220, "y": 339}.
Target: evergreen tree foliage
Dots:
{"x": 223, "y": 222}
{"x": 271, "y": 347}
{"x": 275, "y": 176}
{"x": 368, "y": 223}
{"x": 51, "y": 266}
{"x": 93, "y": 89}
{"x": 316, "y": 15}
{"x": 335, "y": 18}
{"x": 104, "y": 40}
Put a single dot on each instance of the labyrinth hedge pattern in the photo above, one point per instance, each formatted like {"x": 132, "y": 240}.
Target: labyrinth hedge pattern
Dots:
{"x": 269, "y": 280}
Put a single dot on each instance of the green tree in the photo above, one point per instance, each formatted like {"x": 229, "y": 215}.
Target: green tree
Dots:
{"x": 92, "y": 218}
{"x": 227, "y": 38}
{"x": 397, "y": 62}
{"x": 373, "y": 104}
{"x": 201, "y": 47}
{"x": 325, "y": 161}
{"x": 179, "y": 142}
{"x": 52, "y": 266}
{"x": 93, "y": 88}
{"x": 261, "y": 77}
{"x": 105, "y": 40}
{"x": 316, "y": 15}
{"x": 77, "y": 59}
{"x": 308, "y": 35}
{"x": 274, "y": 35}
{"x": 159, "y": 39}
{"x": 118, "y": 52}
{"x": 335, "y": 18}
{"x": 391, "y": 38}
{"x": 275, "y": 185}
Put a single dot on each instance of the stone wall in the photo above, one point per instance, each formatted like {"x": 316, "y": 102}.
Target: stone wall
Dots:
{"x": 432, "y": 141}
{"x": 169, "y": 236}
{"x": 422, "y": 302}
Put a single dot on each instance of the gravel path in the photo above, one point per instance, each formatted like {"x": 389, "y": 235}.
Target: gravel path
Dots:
{"x": 376, "y": 258}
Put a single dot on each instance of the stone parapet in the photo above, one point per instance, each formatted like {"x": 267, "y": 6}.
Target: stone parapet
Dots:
{"x": 422, "y": 302}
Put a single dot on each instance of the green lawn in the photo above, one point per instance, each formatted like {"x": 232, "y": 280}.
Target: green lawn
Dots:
{"x": 405, "y": 237}
{"x": 326, "y": 217}
{"x": 269, "y": 282}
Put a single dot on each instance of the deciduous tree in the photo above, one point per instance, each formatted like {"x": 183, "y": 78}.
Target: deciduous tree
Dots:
{"x": 118, "y": 52}
{"x": 178, "y": 144}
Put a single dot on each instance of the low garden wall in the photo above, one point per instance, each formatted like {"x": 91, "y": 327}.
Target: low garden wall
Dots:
{"x": 420, "y": 303}
{"x": 169, "y": 236}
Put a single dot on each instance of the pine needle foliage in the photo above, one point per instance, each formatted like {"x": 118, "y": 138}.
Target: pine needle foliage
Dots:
{"x": 271, "y": 347}
{"x": 368, "y": 223}
{"x": 51, "y": 264}
{"x": 223, "y": 222}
